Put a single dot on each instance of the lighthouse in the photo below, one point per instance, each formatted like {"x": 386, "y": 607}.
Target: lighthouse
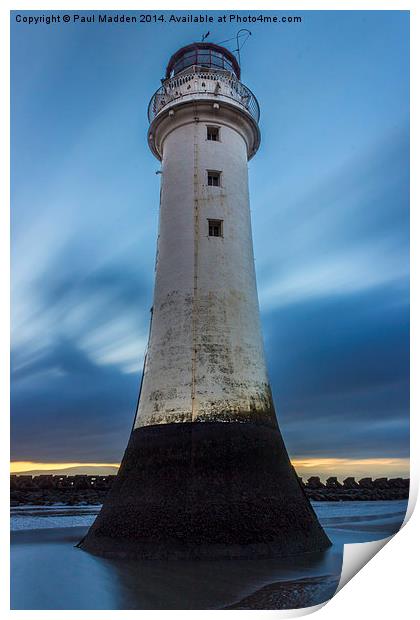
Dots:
{"x": 205, "y": 473}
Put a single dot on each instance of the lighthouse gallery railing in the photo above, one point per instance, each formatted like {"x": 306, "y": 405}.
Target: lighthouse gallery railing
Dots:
{"x": 195, "y": 81}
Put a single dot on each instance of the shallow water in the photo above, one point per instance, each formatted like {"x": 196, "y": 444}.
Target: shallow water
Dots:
{"x": 48, "y": 572}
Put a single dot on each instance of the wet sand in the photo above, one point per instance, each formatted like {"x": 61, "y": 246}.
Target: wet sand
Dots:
{"x": 293, "y": 594}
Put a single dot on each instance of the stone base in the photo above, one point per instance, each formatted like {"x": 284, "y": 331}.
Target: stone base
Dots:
{"x": 205, "y": 490}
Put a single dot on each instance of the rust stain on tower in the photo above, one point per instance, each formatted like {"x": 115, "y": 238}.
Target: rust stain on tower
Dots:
{"x": 205, "y": 473}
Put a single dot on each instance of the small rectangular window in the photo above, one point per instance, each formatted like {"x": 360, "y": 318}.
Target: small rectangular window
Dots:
{"x": 213, "y": 178}
{"x": 215, "y": 228}
{"x": 213, "y": 134}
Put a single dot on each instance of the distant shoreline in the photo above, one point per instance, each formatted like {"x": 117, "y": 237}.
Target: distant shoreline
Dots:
{"x": 44, "y": 490}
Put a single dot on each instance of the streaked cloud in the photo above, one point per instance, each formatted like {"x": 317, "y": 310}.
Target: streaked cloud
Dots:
{"x": 330, "y": 207}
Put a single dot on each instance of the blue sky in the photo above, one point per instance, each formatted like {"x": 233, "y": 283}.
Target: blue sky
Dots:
{"x": 330, "y": 211}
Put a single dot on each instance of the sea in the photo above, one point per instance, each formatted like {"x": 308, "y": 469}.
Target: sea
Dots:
{"x": 49, "y": 572}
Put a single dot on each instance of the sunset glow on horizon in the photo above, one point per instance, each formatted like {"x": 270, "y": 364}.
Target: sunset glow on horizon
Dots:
{"x": 359, "y": 468}
{"x": 323, "y": 467}
{"x": 20, "y": 467}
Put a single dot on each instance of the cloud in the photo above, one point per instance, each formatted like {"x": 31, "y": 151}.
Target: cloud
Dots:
{"x": 346, "y": 232}
{"x": 340, "y": 373}
{"x": 335, "y": 305}
{"x": 76, "y": 361}
{"x": 66, "y": 407}
{"x": 329, "y": 194}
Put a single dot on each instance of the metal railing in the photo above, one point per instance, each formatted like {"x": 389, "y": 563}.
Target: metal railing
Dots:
{"x": 196, "y": 81}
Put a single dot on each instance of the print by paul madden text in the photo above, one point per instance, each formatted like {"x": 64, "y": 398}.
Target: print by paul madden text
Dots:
{"x": 154, "y": 18}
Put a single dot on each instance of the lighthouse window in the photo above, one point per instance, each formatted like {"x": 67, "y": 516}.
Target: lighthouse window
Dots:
{"x": 215, "y": 228}
{"x": 213, "y": 178}
{"x": 213, "y": 134}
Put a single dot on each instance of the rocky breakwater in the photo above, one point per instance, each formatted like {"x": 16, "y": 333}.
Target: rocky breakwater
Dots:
{"x": 365, "y": 489}
{"x": 46, "y": 490}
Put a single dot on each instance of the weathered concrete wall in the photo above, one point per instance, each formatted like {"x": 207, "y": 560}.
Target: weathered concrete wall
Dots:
{"x": 205, "y": 359}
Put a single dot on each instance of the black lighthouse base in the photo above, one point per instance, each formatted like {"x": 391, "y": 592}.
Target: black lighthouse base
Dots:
{"x": 206, "y": 490}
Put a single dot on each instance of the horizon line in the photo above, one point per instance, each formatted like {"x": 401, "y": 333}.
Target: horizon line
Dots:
{"x": 398, "y": 467}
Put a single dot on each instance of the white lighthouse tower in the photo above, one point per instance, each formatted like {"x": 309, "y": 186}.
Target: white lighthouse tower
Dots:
{"x": 205, "y": 473}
